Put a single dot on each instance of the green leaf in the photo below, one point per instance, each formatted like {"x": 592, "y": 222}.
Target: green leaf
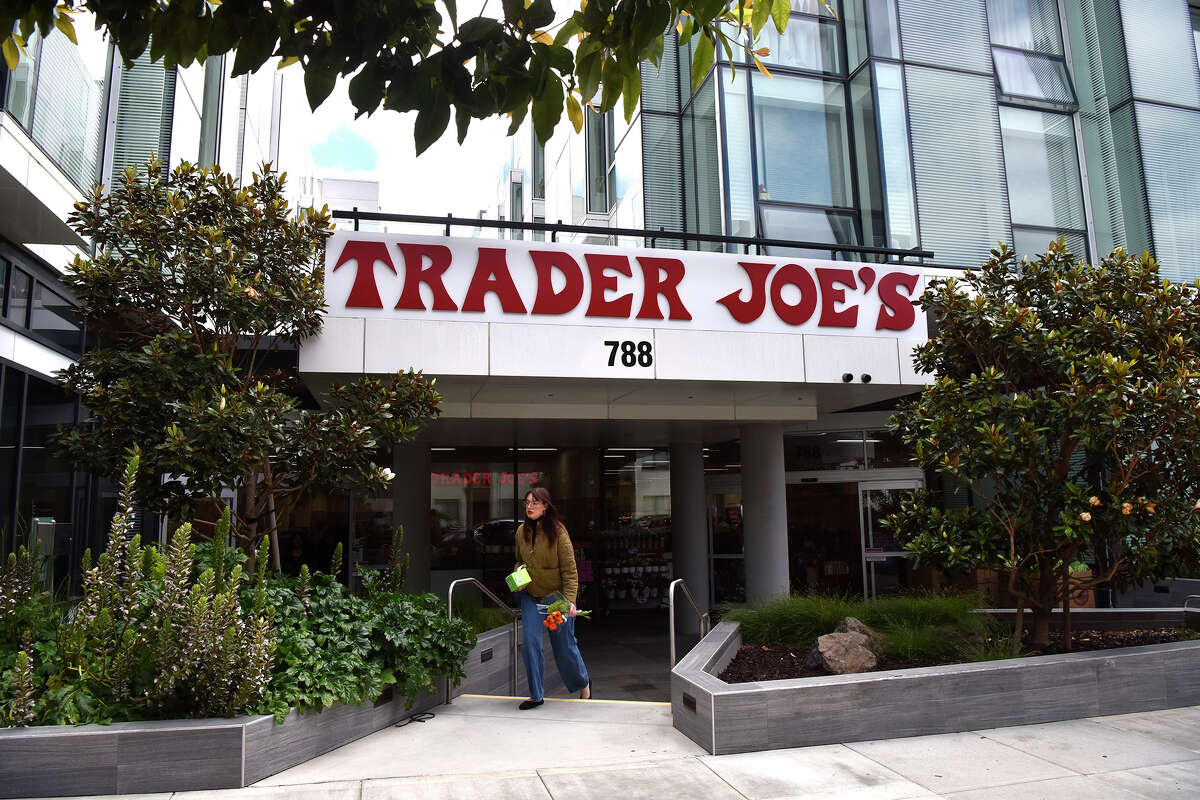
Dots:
{"x": 432, "y": 120}
{"x": 780, "y": 11}
{"x": 759, "y": 16}
{"x": 479, "y": 29}
{"x": 518, "y": 116}
{"x": 462, "y": 119}
{"x": 366, "y": 88}
{"x": 539, "y": 14}
{"x": 64, "y": 24}
{"x": 587, "y": 71}
{"x": 574, "y": 113}
{"x": 632, "y": 92}
{"x": 12, "y": 56}
{"x": 702, "y": 60}
{"x": 613, "y": 81}
{"x": 319, "y": 81}
{"x": 452, "y": 10}
{"x": 568, "y": 29}
{"x": 547, "y": 110}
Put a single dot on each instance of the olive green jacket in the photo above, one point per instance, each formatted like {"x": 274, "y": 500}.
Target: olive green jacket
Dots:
{"x": 551, "y": 566}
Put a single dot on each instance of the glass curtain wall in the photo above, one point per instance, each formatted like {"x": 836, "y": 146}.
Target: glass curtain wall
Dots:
{"x": 57, "y": 93}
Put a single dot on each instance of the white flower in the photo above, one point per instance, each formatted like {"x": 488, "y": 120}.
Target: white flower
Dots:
{"x": 386, "y": 474}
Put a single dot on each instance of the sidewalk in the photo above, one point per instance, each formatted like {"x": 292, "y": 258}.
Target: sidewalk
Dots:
{"x": 483, "y": 748}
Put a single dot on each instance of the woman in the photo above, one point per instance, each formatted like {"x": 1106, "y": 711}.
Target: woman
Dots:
{"x": 545, "y": 549}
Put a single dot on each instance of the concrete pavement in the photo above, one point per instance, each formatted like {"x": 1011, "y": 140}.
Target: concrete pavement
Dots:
{"x": 483, "y": 748}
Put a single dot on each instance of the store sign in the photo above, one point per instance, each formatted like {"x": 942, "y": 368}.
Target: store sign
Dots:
{"x": 422, "y": 277}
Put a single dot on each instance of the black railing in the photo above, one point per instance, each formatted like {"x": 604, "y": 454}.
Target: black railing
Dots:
{"x": 555, "y": 228}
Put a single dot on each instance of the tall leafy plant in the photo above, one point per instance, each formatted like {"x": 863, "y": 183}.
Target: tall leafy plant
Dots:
{"x": 1068, "y": 394}
{"x": 195, "y": 285}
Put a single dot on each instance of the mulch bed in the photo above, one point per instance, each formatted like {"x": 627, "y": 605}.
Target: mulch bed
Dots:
{"x": 778, "y": 661}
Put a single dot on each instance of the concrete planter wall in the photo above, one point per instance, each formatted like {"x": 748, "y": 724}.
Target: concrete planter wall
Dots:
{"x": 490, "y": 662}
{"x": 735, "y": 718}
{"x": 181, "y": 755}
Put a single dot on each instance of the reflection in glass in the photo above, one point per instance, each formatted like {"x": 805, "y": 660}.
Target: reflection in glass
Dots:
{"x": 885, "y": 29}
{"x": 1025, "y": 24}
{"x": 67, "y": 110}
{"x": 1196, "y": 33}
{"x": 1042, "y": 168}
{"x": 897, "y": 163}
{"x": 702, "y": 193}
{"x": 884, "y": 449}
{"x": 45, "y": 489}
{"x": 10, "y": 436}
{"x": 186, "y": 115}
{"x": 737, "y": 154}
{"x": 819, "y": 451}
{"x": 472, "y": 518}
{"x": 55, "y": 318}
{"x": 599, "y": 146}
{"x": 1158, "y": 46}
{"x": 19, "y": 288}
{"x": 801, "y": 129}
{"x": 1032, "y": 242}
{"x": 806, "y": 43}
{"x": 19, "y": 101}
{"x": 1032, "y": 76}
{"x": 1171, "y": 158}
{"x": 824, "y": 539}
{"x": 806, "y": 225}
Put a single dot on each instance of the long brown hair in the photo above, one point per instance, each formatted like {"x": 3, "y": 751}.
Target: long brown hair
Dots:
{"x": 549, "y": 519}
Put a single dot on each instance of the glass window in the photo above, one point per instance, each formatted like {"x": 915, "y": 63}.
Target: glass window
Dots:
{"x": 737, "y": 155}
{"x": 45, "y": 490}
{"x": 1158, "y": 39}
{"x": 599, "y": 145}
{"x": 539, "y": 168}
{"x": 1196, "y": 33}
{"x": 10, "y": 437}
{"x": 806, "y": 43}
{"x": 473, "y": 516}
{"x": 662, "y": 190}
{"x": 19, "y": 289}
{"x": 867, "y": 161}
{"x": 959, "y": 168}
{"x": 884, "y": 449}
{"x": 54, "y": 317}
{"x": 70, "y": 94}
{"x": 807, "y": 225}
{"x": 1032, "y": 76}
{"x": 1025, "y": 24}
{"x": 1042, "y": 168}
{"x": 701, "y": 168}
{"x": 820, "y": 451}
{"x": 19, "y": 101}
{"x": 801, "y": 129}
{"x": 185, "y": 125}
{"x": 884, "y": 28}
{"x": 1032, "y": 242}
{"x": 947, "y": 33}
{"x": 1171, "y": 163}
{"x": 516, "y": 204}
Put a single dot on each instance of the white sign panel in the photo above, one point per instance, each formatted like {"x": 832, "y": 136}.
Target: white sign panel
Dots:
{"x": 402, "y": 277}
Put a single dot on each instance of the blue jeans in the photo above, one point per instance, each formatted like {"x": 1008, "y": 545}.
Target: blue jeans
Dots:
{"x": 562, "y": 641}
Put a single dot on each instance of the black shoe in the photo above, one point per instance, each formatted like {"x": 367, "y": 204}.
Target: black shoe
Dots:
{"x": 528, "y": 704}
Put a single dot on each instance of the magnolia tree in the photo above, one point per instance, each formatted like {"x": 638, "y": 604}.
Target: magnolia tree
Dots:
{"x": 419, "y": 56}
{"x": 1069, "y": 396}
{"x": 195, "y": 285}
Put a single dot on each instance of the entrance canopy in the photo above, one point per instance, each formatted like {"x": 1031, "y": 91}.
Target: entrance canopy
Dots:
{"x": 617, "y": 333}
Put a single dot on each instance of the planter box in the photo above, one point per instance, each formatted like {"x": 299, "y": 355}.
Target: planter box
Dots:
{"x": 490, "y": 663}
{"x": 734, "y": 718}
{"x": 181, "y": 755}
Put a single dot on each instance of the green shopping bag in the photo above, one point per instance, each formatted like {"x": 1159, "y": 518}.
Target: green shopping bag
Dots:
{"x": 519, "y": 578}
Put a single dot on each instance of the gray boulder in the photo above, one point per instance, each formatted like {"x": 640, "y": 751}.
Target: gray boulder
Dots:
{"x": 842, "y": 653}
{"x": 855, "y": 625}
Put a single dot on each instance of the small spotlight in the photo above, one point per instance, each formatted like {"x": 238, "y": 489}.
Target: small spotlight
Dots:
{"x": 847, "y": 377}
{"x": 866, "y": 378}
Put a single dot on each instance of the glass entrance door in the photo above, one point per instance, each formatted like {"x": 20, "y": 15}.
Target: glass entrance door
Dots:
{"x": 885, "y": 566}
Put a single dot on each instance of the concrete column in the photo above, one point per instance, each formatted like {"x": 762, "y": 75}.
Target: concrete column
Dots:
{"x": 689, "y": 536}
{"x": 764, "y": 511}
{"x": 411, "y": 501}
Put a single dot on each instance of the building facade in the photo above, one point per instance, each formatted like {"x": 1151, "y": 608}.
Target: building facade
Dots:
{"x": 74, "y": 116}
{"x": 751, "y": 460}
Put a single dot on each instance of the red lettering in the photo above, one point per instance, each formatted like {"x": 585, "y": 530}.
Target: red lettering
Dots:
{"x": 415, "y": 273}
{"x": 830, "y": 317}
{"x": 602, "y": 284}
{"x": 491, "y": 275}
{"x": 656, "y": 284}
{"x": 746, "y": 311}
{"x": 547, "y": 300}
{"x": 364, "y": 293}
{"x": 897, "y": 312}
{"x": 798, "y": 276}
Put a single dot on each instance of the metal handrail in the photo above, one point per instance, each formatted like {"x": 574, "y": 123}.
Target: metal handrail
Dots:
{"x": 555, "y": 228}
{"x": 516, "y": 615}
{"x": 703, "y": 615}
